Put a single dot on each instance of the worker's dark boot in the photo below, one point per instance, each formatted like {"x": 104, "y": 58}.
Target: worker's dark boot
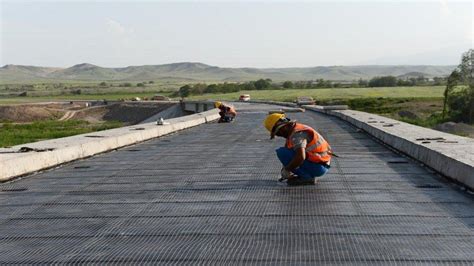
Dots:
{"x": 300, "y": 181}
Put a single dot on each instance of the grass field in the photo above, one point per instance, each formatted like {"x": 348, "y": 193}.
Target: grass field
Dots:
{"x": 81, "y": 91}
{"x": 276, "y": 95}
{"x": 107, "y": 96}
{"x": 14, "y": 134}
{"x": 345, "y": 93}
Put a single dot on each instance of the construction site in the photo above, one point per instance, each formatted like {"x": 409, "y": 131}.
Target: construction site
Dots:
{"x": 193, "y": 191}
{"x": 128, "y": 112}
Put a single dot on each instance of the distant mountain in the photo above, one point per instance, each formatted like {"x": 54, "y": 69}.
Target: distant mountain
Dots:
{"x": 86, "y": 72}
{"x": 412, "y": 75}
{"x": 189, "y": 71}
{"x": 17, "y": 72}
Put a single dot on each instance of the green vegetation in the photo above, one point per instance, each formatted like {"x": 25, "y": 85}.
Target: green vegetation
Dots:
{"x": 14, "y": 134}
{"x": 459, "y": 93}
{"x": 420, "y": 111}
{"x": 100, "y": 96}
{"x": 67, "y": 89}
{"x": 429, "y": 122}
{"x": 406, "y": 80}
{"x": 320, "y": 94}
{"x": 386, "y": 81}
{"x": 267, "y": 84}
{"x": 184, "y": 91}
{"x": 372, "y": 105}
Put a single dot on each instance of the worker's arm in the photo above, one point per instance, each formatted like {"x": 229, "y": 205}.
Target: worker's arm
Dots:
{"x": 300, "y": 156}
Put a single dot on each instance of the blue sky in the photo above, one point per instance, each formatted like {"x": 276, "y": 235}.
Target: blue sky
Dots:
{"x": 234, "y": 34}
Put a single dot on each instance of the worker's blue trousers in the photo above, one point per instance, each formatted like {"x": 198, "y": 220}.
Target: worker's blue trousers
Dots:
{"x": 306, "y": 170}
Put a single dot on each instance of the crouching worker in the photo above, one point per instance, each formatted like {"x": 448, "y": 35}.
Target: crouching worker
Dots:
{"x": 306, "y": 154}
{"x": 226, "y": 112}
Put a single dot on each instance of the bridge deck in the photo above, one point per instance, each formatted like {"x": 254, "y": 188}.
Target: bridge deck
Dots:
{"x": 209, "y": 195}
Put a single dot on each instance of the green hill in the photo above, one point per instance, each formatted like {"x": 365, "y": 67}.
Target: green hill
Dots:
{"x": 202, "y": 72}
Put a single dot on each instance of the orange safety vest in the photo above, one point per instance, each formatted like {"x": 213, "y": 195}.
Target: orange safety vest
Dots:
{"x": 230, "y": 111}
{"x": 318, "y": 150}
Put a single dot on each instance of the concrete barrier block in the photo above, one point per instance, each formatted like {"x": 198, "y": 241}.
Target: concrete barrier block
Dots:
{"x": 325, "y": 108}
{"x": 448, "y": 154}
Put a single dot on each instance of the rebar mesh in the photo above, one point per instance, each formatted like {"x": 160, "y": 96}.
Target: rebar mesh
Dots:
{"x": 209, "y": 195}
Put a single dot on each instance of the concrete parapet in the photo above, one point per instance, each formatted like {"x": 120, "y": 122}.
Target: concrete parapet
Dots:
{"x": 197, "y": 106}
{"x": 331, "y": 107}
{"x": 277, "y": 103}
{"x": 53, "y": 152}
{"x": 448, "y": 154}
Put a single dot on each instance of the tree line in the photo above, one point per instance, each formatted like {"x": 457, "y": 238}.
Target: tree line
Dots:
{"x": 391, "y": 81}
{"x": 268, "y": 84}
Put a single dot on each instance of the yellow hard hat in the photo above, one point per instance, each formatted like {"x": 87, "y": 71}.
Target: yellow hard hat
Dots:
{"x": 271, "y": 120}
{"x": 217, "y": 104}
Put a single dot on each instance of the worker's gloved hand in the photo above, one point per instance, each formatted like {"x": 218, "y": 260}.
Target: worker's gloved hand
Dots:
{"x": 285, "y": 174}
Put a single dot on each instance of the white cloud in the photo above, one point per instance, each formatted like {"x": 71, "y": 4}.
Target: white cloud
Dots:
{"x": 115, "y": 27}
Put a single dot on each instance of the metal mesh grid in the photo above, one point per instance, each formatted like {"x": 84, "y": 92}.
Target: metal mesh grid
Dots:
{"x": 209, "y": 195}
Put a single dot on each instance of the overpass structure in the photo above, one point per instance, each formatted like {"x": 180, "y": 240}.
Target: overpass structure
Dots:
{"x": 209, "y": 195}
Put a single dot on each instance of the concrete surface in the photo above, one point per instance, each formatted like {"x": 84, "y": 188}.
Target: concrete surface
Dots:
{"x": 13, "y": 163}
{"x": 208, "y": 195}
{"x": 171, "y": 112}
{"x": 449, "y": 154}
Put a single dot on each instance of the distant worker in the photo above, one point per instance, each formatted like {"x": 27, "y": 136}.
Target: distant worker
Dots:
{"x": 306, "y": 154}
{"x": 226, "y": 112}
